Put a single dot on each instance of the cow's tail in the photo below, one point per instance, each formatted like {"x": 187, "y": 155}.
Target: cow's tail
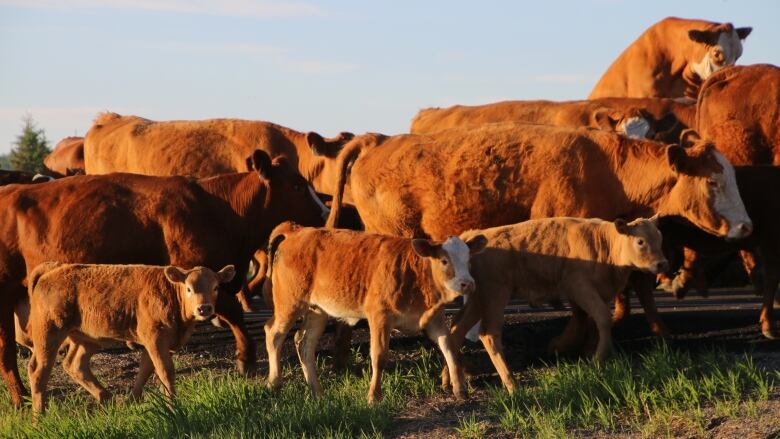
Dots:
{"x": 345, "y": 160}
{"x": 277, "y": 236}
{"x": 37, "y": 272}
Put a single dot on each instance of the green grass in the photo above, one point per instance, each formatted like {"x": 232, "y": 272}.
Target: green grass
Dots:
{"x": 641, "y": 393}
{"x": 220, "y": 404}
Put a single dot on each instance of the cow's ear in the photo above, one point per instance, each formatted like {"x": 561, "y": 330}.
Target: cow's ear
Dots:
{"x": 606, "y": 119}
{"x": 477, "y": 244}
{"x": 424, "y": 248}
{"x": 261, "y": 163}
{"x": 676, "y": 156}
{"x": 689, "y": 137}
{"x": 175, "y": 274}
{"x": 743, "y": 32}
{"x": 249, "y": 165}
{"x": 316, "y": 143}
{"x": 703, "y": 36}
{"x": 226, "y": 274}
{"x": 621, "y": 226}
{"x": 654, "y": 220}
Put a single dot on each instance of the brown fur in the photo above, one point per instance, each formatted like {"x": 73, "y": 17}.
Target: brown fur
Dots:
{"x": 156, "y": 307}
{"x": 658, "y": 64}
{"x": 607, "y": 113}
{"x": 388, "y": 282}
{"x": 125, "y": 218}
{"x": 201, "y": 148}
{"x": 739, "y": 110}
{"x": 66, "y": 157}
{"x": 546, "y": 260}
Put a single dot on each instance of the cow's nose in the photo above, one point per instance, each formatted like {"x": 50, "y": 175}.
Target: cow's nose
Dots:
{"x": 662, "y": 266}
{"x": 466, "y": 286}
{"x": 205, "y": 310}
{"x": 745, "y": 229}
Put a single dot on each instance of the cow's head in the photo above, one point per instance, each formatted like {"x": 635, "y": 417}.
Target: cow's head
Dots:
{"x": 198, "y": 288}
{"x": 450, "y": 262}
{"x": 717, "y": 47}
{"x": 705, "y": 191}
{"x": 289, "y": 194}
{"x": 327, "y": 147}
{"x": 639, "y": 243}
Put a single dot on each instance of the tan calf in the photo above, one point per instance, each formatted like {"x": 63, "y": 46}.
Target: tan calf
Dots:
{"x": 156, "y": 307}
{"x": 547, "y": 260}
{"x": 392, "y": 282}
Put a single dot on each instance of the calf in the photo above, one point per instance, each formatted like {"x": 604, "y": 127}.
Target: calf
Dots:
{"x": 392, "y": 282}
{"x": 156, "y": 307}
{"x": 545, "y": 260}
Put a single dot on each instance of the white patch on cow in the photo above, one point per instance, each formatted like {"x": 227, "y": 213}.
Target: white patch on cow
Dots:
{"x": 323, "y": 207}
{"x": 459, "y": 255}
{"x": 728, "y": 203}
{"x": 635, "y": 127}
{"x": 37, "y": 177}
{"x": 731, "y": 46}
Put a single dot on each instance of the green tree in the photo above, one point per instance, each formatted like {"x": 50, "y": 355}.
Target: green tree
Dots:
{"x": 5, "y": 161}
{"x": 30, "y": 148}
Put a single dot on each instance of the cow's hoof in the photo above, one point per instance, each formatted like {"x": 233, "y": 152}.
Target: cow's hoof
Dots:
{"x": 768, "y": 333}
{"x": 104, "y": 397}
{"x": 659, "y": 330}
{"x": 246, "y": 368}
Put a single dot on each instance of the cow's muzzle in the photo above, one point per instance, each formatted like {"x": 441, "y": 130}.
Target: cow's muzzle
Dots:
{"x": 739, "y": 231}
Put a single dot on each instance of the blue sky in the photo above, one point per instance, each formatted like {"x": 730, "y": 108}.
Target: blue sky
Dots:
{"x": 326, "y": 66}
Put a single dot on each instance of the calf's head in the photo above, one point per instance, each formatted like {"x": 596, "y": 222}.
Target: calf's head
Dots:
{"x": 289, "y": 196}
{"x": 716, "y": 47}
{"x": 198, "y": 288}
{"x": 450, "y": 262}
{"x": 640, "y": 245}
{"x": 705, "y": 191}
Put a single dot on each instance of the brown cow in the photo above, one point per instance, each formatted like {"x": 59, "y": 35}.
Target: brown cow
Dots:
{"x": 131, "y": 219}
{"x": 22, "y": 177}
{"x": 392, "y": 282}
{"x": 546, "y": 260}
{"x": 156, "y": 307}
{"x": 67, "y": 157}
{"x": 456, "y": 180}
{"x": 202, "y": 148}
{"x": 739, "y": 110}
{"x": 660, "y": 119}
{"x": 671, "y": 59}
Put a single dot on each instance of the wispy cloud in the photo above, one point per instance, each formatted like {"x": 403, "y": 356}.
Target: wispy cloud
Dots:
{"x": 236, "y": 8}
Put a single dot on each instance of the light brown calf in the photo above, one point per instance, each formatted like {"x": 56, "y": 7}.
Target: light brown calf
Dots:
{"x": 392, "y": 282}
{"x": 547, "y": 260}
{"x": 156, "y": 307}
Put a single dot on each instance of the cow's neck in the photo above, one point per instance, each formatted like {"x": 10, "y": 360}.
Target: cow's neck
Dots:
{"x": 245, "y": 194}
{"x": 647, "y": 179}
{"x": 311, "y": 166}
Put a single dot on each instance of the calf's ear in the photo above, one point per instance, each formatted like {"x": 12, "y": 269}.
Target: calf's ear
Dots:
{"x": 606, "y": 119}
{"x": 621, "y": 226}
{"x": 175, "y": 274}
{"x": 654, "y": 219}
{"x": 676, "y": 156}
{"x": 743, "y": 32}
{"x": 477, "y": 244}
{"x": 226, "y": 274}
{"x": 261, "y": 162}
{"x": 689, "y": 137}
{"x": 703, "y": 36}
{"x": 424, "y": 248}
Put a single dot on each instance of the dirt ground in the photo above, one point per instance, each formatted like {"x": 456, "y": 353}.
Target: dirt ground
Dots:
{"x": 727, "y": 320}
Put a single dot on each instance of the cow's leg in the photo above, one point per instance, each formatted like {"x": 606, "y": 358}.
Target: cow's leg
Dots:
{"x": 306, "y": 344}
{"x": 439, "y": 333}
{"x": 491, "y": 333}
{"x": 8, "y": 366}
{"x": 573, "y": 336}
{"x": 754, "y": 269}
{"x": 145, "y": 370}
{"x": 276, "y": 329}
{"x": 229, "y": 310}
{"x": 46, "y": 343}
{"x": 466, "y": 318}
{"x": 342, "y": 343}
{"x": 771, "y": 274}
{"x": 160, "y": 354}
{"x": 622, "y": 307}
{"x": 380, "y": 343}
{"x": 589, "y": 300}
{"x": 76, "y": 364}
{"x": 644, "y": 284}
{"x": 243, "y": 298}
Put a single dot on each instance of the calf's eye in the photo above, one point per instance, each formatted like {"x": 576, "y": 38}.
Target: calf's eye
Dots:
{"x": 640, "y": 242}
{"x": 443, "y": 262}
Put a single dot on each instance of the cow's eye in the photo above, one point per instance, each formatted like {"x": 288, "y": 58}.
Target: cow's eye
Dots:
{"x": 712, "y": 182}
{"x": 640, "y": 241}
{"x": 444, "y": 262}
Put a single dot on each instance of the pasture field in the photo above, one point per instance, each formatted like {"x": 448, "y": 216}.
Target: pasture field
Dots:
{"x": 718, "y": 379}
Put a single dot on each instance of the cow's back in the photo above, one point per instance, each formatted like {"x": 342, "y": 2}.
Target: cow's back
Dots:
{"x": 67, "y": 155}
{"x": 739, "y": 110}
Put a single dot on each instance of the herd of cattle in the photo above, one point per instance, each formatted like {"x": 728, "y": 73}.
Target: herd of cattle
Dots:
{"x": 537, "y": 200}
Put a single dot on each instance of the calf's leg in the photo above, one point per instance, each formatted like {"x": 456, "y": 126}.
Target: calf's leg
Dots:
{"x": 438, "y": 333}
{"x": 379, "y": 328}
{"x": 589, "y": 300}
{"x": 276, "y": 328}
{"x": 644, "y": 284}
{"x": 229, "y": 310}
{"x": 771, "y": 265}
{"x": 46, "y": 342}
{"x": 160, "y": 354}
{"x": 306, "y": 344}
{"x": 342, "y": 343}
{"x": 573, "y": 337}
{"x": 145, "y": 370}
{"x": 76, "y": 364}
{"x": 466, "y": 318}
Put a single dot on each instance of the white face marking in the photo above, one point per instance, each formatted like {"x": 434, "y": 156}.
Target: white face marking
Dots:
{"x": 731, "y": 46}
{"x": 728, "y": 203}
{"x": 459, "y": 254}
{"x": 323, "y": 207}
{"x": 635, "y": 127}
